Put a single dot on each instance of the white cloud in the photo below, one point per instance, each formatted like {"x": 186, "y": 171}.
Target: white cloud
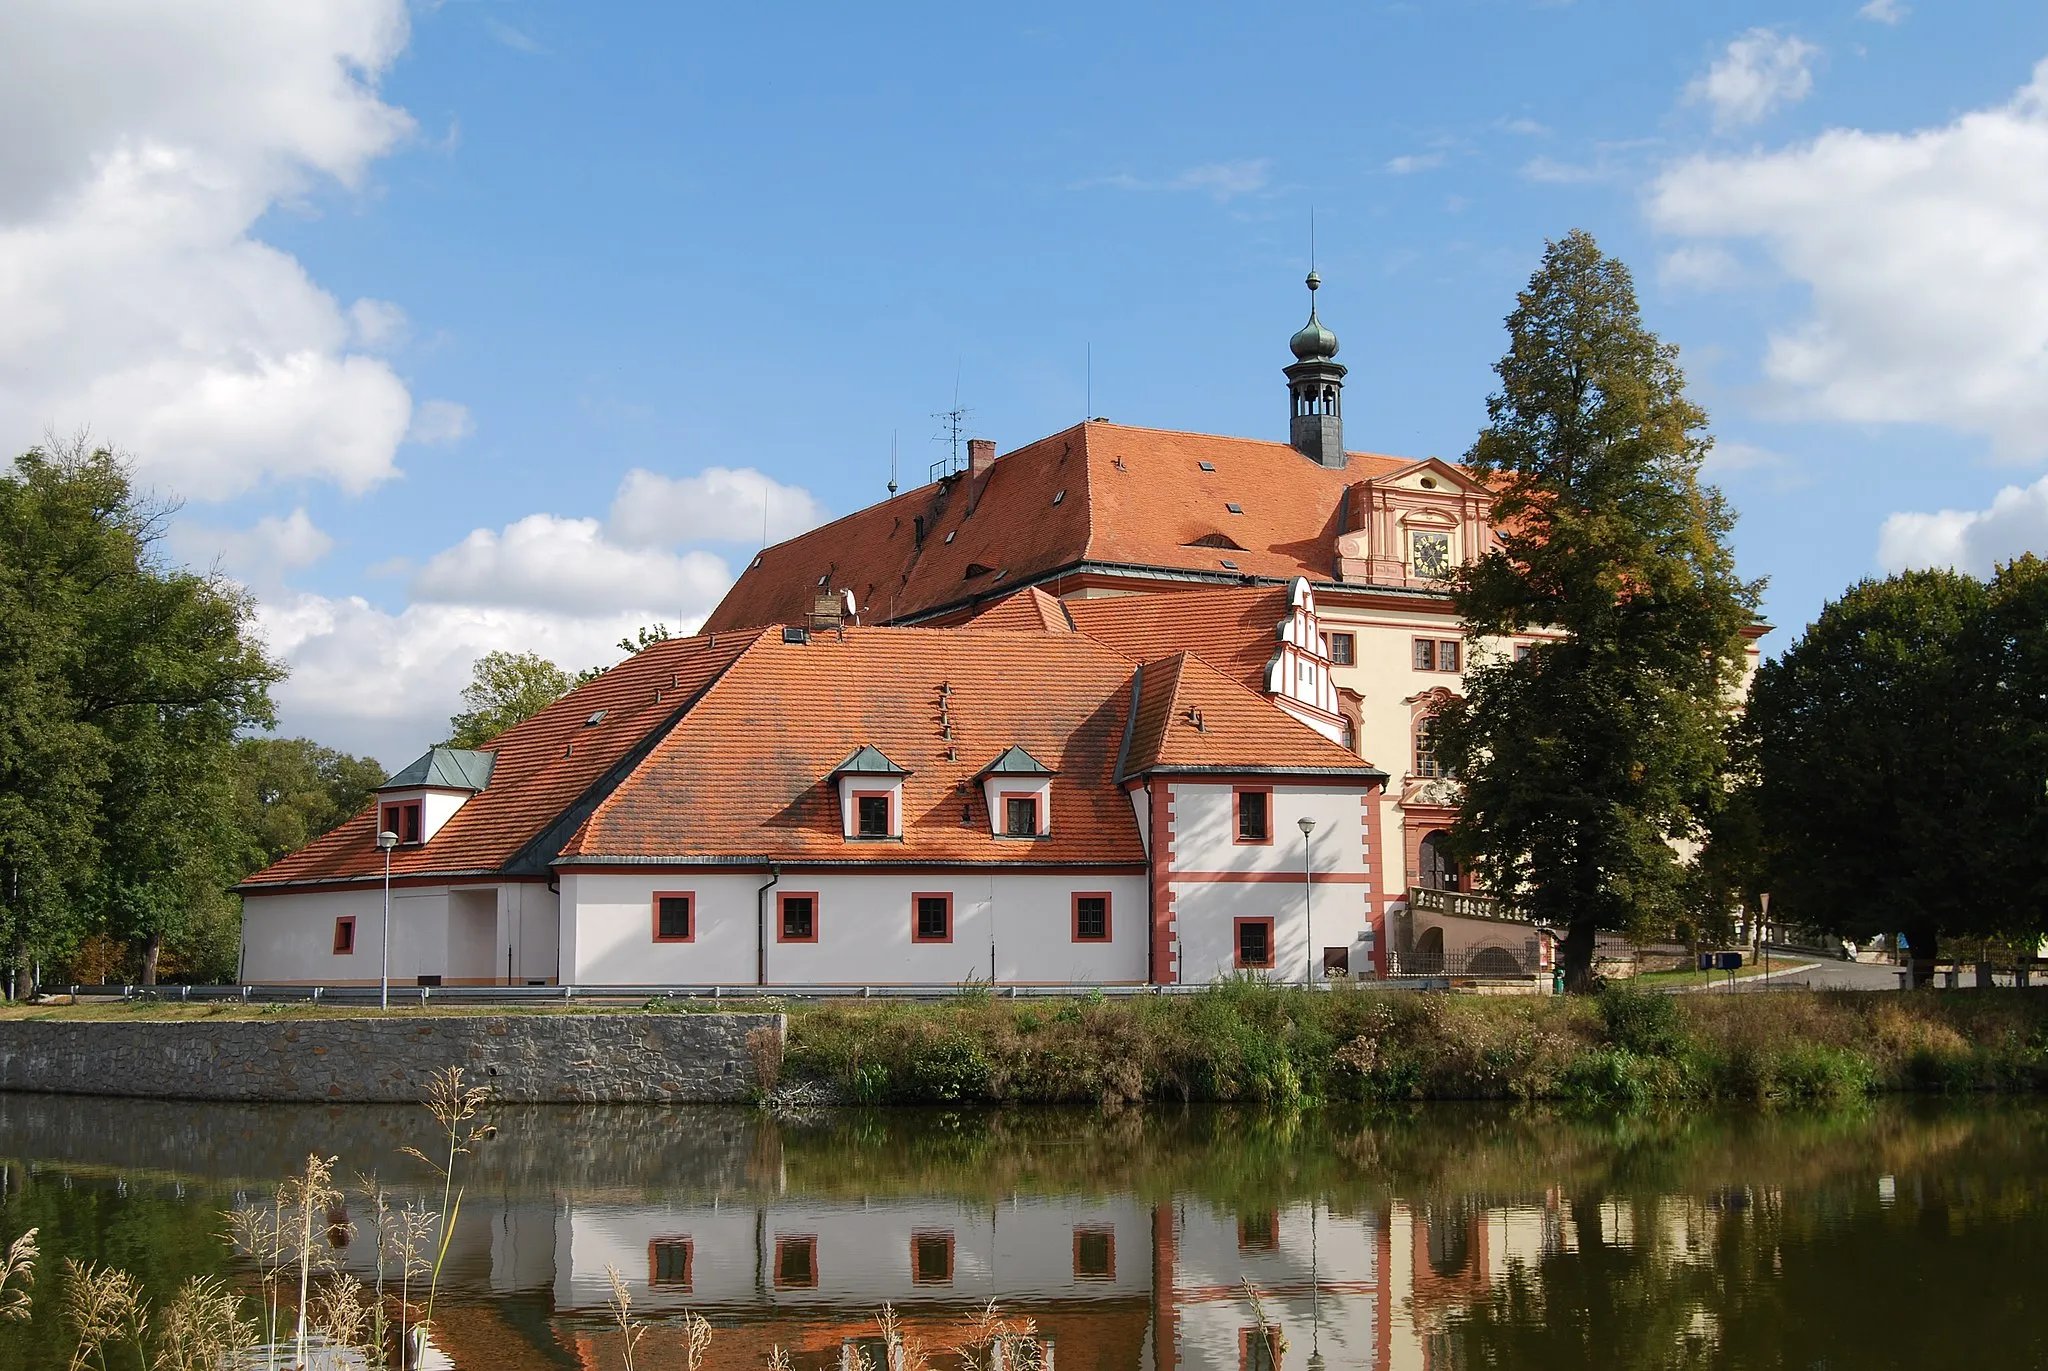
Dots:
{"x": 1528, "y": 128}
{"x": 1698, "y": 266}
{"x": 378, "y": 323}
{"x": 440, "y": 421}
{"x": 1925, "y": 256}
{"x": 1976, "y": 540}
{"x": 717, "y": 504}
{"x": 1884, "y": 11}
{"x": 144, "y": 142}
{"x": 1758, "y": 72}
{"x": 513, "y": 38}
{"x": 258, "y": 556}
{"x": 550, "y": 563}
{"x": 1412, "y": 162}
{"x": 369, "y": 681}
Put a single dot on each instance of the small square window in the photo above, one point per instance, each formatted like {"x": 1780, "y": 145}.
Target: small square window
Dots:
{"x": 1447, "y": 655}
{"x": 1254, "y": 816}
{"x": 950, "y": 533}
{"x": 871, "y": 816}
{"x": 1095, "y": 1254}
{"x": 1425, "y": 654}
{"x": 931, "y": 1259}
{"x": 668, "y": 1263}
{"x": 1254, "y": 944}
{"x": 1091, "y": 918}
{"x": 796, "y": 1263}
{"x": 799, "y": 922}
{"x": 1020, "y": 816}
{"x": 1343, "y": 649}
{"x": 345, "y": 935}
{"x": 672, "y": 921}
{"x": 933, "y": 918}
{"x": 1227, "y": 562}
{"x": 1234, "y": 509}
{"x": 1524, "y": 651}
{"x": 1206, "y": 466}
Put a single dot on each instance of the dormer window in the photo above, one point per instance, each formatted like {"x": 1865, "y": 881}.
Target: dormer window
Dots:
{"x": 404, "y": 820}
{"x": 1018, "y": 788}
{"x": 870, "y": 796}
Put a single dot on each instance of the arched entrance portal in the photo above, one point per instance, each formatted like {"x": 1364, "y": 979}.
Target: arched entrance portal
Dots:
{"x": 1438, "y": 871}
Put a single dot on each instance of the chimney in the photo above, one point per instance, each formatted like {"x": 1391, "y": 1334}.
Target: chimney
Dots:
{"x": 981, "y": 455}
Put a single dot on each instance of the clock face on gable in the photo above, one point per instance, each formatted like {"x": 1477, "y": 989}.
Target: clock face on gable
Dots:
{"x": 1430, "y": 554}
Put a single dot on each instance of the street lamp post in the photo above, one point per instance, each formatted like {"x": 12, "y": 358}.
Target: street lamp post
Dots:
{"x": 1308, "y": 912}
{"x": 385, "y": 842}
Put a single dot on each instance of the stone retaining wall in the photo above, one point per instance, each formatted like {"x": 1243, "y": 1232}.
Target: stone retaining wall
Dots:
{"x": 530, "y": 1059}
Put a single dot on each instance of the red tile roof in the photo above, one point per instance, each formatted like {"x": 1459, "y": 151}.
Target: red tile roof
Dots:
{"x": 1233, "y": 628}
{"x": 1191, "y": 717}
{"x": 1026, "y": 611}
{"x": 1097, "y": 492}
{"x": 748, "y": 772}
{"x": 545, "y": 765}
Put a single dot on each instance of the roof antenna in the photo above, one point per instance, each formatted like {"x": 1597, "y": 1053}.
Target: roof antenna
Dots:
{"x": 892, "y": 461}
{"x": 954, "y": 422}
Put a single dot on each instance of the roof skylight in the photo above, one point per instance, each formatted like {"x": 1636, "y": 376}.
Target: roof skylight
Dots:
{"x": 1234, "y": 509}
{"x": 1206, "y": 466}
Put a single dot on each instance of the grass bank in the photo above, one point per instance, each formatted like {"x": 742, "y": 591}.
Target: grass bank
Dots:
{"x": 1255, "y": 1043}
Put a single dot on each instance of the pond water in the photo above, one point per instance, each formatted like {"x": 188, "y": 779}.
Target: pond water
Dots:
{"x": 1900, "y": 1235}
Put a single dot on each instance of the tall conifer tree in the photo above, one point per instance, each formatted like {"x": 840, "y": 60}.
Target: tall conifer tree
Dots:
{"x": 1587, "y": 763}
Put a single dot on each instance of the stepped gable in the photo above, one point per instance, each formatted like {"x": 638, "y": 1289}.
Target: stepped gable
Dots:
{"x": 1234, "y": 629}
{"x": 1097, "y": 492}
{"x": 748, "y": 773}
{"x": 543, "y": 767}
{"x": 1190, "y": 717}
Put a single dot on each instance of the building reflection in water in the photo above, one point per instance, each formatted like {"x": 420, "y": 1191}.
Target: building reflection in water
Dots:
{"x": 1130, "y": 1244}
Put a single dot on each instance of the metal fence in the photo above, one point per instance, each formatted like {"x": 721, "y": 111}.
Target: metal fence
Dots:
{"x": 424, "y": 995}
{"x": 1481, "y": 963}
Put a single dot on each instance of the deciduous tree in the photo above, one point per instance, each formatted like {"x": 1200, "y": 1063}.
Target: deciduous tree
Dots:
{"x": 504, "y": 688}
{"x": 1586, "y": 762}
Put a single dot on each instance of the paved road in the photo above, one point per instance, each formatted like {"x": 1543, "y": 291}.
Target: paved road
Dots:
{"x": 1827, "y": 975}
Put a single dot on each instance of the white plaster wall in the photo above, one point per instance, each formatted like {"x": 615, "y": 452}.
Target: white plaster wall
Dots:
{"x": 437, "y": 807}
{"x": 1204, "y": 908}
{"x": 527, "y": 919}
{"x": 472, "y": 952}
{"x": 864, "y": 929}
{"x": 289, "y": 938}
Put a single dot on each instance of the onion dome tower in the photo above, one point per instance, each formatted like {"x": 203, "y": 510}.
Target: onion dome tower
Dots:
{"x": 1315, "y": 390}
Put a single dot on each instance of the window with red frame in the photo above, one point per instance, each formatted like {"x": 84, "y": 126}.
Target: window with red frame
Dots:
{"x": 932, "y": 918}
{"x": 1020, "y": 816}
{"x": 404, "y": 820}
{"x": 871, "y": 816}
{"x": 344, "y": 935}
{"x": 1259, "y": 1232}
{"x": 799, "y": 921}
{"x": 673, "y": 916}
{"x": 1343, "y": 649}
{"x": 1255, "y": 816}
{"x": 1254, "y": 944}
{"x": 1091, "y": 918}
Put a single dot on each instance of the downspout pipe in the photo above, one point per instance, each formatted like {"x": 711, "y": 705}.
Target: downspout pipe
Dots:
{"x": 761, "y": 924}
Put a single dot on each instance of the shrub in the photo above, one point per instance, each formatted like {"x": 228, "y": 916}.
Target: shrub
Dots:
{"x": 1641, "y": 1021}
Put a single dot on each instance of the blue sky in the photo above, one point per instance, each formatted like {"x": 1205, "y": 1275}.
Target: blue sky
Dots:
{"x": 399, "y": 299}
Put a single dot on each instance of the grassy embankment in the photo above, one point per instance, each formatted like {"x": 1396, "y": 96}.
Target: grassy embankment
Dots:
{"x": 1255, "y": 1043}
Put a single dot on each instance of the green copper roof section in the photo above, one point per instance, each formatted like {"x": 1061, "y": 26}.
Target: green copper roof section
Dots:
{"x": 1015, "y": 761}
{"x": 868, "y": 762}
{"x": 446, "y": 768}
